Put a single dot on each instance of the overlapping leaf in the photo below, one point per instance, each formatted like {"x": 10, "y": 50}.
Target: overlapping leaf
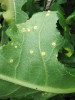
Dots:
{"x": 14, "y": 11}
{"x": 61, "y": 1}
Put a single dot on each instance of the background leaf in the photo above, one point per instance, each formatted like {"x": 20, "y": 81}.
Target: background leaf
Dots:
{"x": 14, "y": 11}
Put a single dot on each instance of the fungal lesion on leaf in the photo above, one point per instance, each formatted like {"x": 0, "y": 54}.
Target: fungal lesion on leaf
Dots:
{"x": 43, "y": 53}
{"x": 31, "y": 51}
{"x": 11, "y": 60}
{"x": 35, "y": 27}
{"x": 53, "y": 44}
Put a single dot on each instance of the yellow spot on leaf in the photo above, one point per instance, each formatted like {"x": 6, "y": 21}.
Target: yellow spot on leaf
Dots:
{"x": 54, "y": 44}
{"x": 47, "y": 14}
{"x": 31, "y": 51}
{"x": 11, "y": 60}
{"x": 48, "y": 11}
{"x": 15, "y": 46}
{"x": 43, "y": 53}
{"x": 35, "y": 27}
{"x": 56, "y": 55}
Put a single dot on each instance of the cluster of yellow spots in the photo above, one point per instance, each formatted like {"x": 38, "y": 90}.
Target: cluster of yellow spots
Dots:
{"x": 42, "y": 52}
{"x": 14, "y": 46}
{"x": 11, "y": 60}
{"x": 25, "y": 29}
{"x": 48, "y": 13}
{"x": 29, "y": 29}
{"x": 54, "y": 44}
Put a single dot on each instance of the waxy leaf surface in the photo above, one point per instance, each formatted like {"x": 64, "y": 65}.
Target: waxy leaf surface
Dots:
{"x": 30, "y": 58}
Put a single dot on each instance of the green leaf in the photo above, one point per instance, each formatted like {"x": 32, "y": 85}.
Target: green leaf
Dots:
{"x": 31, "y": 7}
{"x": 61, "y": 1}
{"x": 70, "y": 18}
{"x": 30, "y": 59}
{"x": 21, "y": 92}
{"x": 56, "y": 7}
{"x": 73, "y": 39}
{"x": 14, "y": 11}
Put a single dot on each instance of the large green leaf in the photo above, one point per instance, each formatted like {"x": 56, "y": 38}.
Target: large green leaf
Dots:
{"x": 14, "y": 11}
{"x": 30, "y": 59}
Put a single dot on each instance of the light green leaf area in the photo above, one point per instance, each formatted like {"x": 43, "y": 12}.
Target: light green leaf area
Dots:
{"x": 14, "y": 11}
{"x": 30, "y": 58}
